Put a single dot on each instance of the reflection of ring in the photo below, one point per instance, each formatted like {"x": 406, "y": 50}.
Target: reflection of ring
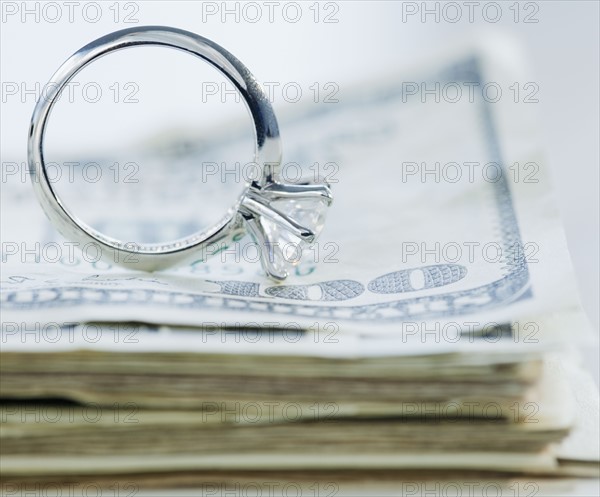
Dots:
{"x": 277, "y": 215}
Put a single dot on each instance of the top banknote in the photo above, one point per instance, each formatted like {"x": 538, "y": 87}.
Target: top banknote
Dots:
{"x": 443, "y": 217}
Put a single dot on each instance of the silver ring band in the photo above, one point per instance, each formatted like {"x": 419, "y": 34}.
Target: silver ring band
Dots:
{"x": 251, "y": 209}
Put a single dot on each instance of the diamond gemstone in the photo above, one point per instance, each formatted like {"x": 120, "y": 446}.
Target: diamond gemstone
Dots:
{"x": 307, "y": 212}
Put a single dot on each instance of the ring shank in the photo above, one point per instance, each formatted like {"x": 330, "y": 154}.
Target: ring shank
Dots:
{"x": 152, "y": 256}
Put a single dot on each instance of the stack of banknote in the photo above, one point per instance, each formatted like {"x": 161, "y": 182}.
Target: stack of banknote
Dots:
{"x": 433, "y": 327}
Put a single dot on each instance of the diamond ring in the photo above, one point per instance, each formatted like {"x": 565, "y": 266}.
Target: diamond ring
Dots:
{"x": 274, "y": 213}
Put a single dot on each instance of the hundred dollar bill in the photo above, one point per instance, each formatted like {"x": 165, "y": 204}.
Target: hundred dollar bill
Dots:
{"x": 443, "y": 214}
